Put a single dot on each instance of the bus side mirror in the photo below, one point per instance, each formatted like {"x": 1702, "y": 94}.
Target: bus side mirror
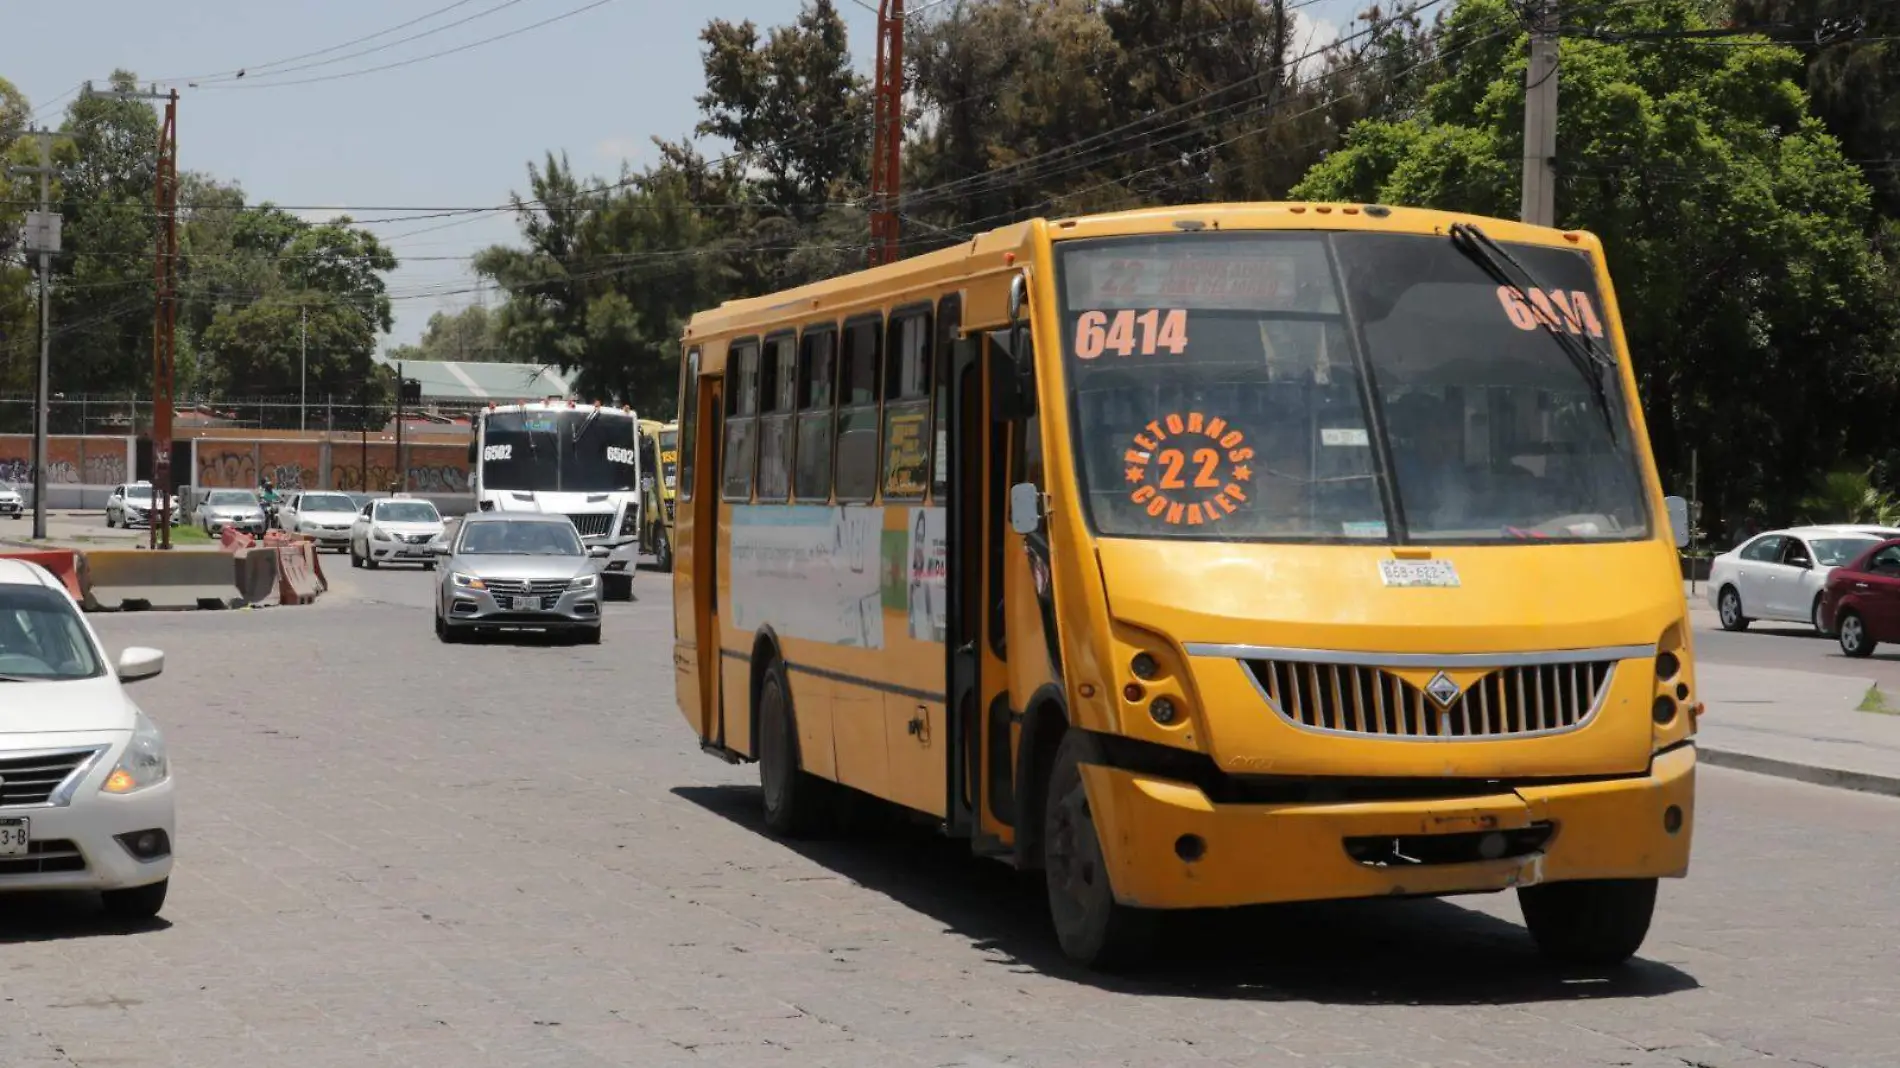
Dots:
{"x": 1678, "y": 519}
{"x": 1025, "y": 508}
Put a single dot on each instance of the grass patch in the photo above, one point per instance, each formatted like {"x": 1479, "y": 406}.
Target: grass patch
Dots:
{"x": 191, "y": 536}
{"x": 1877, "y": 702}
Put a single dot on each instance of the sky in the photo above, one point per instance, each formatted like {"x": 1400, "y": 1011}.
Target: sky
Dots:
{"x": 453, "y": 131}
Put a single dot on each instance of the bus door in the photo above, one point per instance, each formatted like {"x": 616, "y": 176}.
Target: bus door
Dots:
{"x": 983, "y": 756}
{"x": 704, "y": 561}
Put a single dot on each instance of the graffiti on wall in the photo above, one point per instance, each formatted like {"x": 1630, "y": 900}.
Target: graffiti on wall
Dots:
{"x": 70, "y": 461}
{"x": 226, "y": 467}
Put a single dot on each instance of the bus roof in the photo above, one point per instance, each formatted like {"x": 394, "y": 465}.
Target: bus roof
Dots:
{"x": 999, "y": 249}
{"x": 562, "y": 406}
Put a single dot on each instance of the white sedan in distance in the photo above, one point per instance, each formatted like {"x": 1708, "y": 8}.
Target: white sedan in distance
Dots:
{"x": 327, "y": 517}
{"x": 85, "y": 786}
{"x": 1779, "y": 576}
{"x": 395, "y": 529}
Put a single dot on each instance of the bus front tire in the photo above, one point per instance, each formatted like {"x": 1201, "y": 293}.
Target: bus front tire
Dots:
{"x": 795, "y": 800}
{"x": 1596, "y": 923}
{"x": 663, "y": 553}
{"x": 1093, "y": 929}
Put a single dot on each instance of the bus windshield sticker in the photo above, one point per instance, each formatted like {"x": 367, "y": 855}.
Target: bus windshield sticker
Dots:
{"x": 1345, "y": 436}
{"x": 1128, "y": 332}
{"x": 1372, "y": 529}
{"x": 1418, "y": 573}
{"x": 1189, "y": 470}
{"x": 1254, "y": 274}
{"x": 1572, "y": 311}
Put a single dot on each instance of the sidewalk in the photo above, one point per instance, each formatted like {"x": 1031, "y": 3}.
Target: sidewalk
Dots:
{"x": 1799, "y": 725}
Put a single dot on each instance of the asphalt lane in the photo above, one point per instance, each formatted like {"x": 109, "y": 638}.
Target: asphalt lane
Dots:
{"x": 394, "y": 852}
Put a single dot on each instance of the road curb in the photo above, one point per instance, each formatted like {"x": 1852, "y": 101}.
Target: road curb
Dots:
{"x": 1839, "y": 778}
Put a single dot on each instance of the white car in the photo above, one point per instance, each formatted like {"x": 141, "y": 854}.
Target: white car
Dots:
{"x": 131, "y": 505}
{"x": 85, "y": 786}
{"x": 327, "y": 517}
{"x": 231, "y": 508}
{"x": 1780, "y": 575}
{"x": 12, "y": 501}
{"x": 395, "y": 529}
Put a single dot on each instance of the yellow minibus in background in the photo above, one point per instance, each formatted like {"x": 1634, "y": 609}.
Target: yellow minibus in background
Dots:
{"x": 1203, "y": 556}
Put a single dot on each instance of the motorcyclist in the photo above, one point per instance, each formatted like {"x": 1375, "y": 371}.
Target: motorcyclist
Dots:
{"x": 267, "y": 494}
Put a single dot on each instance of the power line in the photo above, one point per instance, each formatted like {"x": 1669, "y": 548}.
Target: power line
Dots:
{"x": 386, "y": 46}
{"x": 583, "y": 9}
{"x": 323, "y": 51}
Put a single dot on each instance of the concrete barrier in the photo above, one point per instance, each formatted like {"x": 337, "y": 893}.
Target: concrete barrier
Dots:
{"x": 255, "y": 574}
{"x": 296, "y": 577}
{"x": 132, "y": 579}
{"x": 65, "y": 564}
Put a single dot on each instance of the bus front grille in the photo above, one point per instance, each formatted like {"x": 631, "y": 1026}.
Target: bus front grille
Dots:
{"x": 1506, "y": 702}
{"x": 593, "y": 524}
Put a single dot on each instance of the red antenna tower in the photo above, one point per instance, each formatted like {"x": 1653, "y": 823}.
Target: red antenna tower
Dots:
{"x": 887, "y": 135}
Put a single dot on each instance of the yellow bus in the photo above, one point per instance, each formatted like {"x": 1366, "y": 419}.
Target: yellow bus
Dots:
{"x": 1203, "y": 556}
{"x": 659, "y": 458}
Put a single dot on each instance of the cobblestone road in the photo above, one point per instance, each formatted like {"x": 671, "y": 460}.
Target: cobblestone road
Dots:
{"x": 399, "y": 853}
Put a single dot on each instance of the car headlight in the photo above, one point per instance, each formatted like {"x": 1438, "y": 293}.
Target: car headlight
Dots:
{"x": 379, "y": 533}
{"x": 468, "y": 582}
{"x": 144, "y": 763}
{"x": 584, "y": 582}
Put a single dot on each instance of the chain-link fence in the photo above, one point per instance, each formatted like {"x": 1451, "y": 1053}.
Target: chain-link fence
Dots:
{"x": 132, "y": 415}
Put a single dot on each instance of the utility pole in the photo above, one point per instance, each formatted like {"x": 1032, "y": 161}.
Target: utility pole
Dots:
{"x": 165, "y": 315}
{"x": 887, "y": 136}
{"x": 42, "y": 236}
{"x": 303, "y": 368}
{"x": 1540, "y": 117}
{"x": 401, "y": 468}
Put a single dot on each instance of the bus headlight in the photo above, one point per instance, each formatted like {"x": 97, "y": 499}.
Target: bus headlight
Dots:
{"x": 629, "y": 521}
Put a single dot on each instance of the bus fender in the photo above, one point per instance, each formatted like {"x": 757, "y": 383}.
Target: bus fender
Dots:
{"x": 1044, "y": 724}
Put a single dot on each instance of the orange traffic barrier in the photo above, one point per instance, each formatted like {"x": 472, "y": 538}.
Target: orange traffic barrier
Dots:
{"x": 231, "y": 539}
{"x": 296, "y": 577}
{"x": 65, "y": 564}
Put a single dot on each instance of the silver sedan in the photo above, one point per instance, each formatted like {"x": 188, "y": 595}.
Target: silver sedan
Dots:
{"x": 518, "y": 571}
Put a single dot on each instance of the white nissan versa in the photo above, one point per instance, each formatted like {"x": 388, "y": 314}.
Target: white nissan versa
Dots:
{"x": 85, "y": 787}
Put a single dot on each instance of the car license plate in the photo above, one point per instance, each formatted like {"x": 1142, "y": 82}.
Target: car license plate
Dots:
{"x": 14, "y": 834}
{"x": 527, "y": 604}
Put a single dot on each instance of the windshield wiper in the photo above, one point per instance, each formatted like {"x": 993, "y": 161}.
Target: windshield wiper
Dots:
{"x": 1590, "y": 361}
{"x": 586, "y": 425}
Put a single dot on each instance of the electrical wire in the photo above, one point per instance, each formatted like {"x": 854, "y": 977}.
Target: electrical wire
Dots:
{"x": 258, "y": 67}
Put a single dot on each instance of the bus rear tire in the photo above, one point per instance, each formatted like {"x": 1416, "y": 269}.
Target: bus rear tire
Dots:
{"x": 616, "y": 586}
{"x": 1093, "y": 929}
{"x": 663, "y": 552}
{"x": 1597, "y": 923}
{"x": 796, "y": 801}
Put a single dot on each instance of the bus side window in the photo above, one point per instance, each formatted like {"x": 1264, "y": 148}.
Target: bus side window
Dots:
{"x": 778, "y": 394}
{"x": 817, "y": 375}
{"x": 907, "y": 406}
{"x": 742, "y": 408}
{"x": 689, "y": 423}
{"x": 857, "y": 409}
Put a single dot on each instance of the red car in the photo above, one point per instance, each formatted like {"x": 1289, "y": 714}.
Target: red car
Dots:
{"x": 1861, "y": 604}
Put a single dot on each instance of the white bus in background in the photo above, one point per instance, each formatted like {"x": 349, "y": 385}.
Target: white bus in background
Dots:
{"x": 563, "y": 458}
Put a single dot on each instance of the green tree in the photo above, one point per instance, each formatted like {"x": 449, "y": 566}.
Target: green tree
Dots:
{"x": 1759, "y": 315}
{"x": 472, "y": 334}
{"x": 18, "y": 325}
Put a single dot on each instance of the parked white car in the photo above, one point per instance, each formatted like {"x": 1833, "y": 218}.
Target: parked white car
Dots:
{"x": 1780, "y": 575}
{"x": 85, "y": 786}
{"x": 231, "y": 508}
{"x": 12, "y": 501}
{"x": 131, "y": 505}
{"x": 395, "y": 529}
{"x": 325, "y": 516}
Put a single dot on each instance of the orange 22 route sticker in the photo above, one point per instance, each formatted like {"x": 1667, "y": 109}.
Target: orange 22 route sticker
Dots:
{"x": 1189, "y": 470}
{"x": 1129, "y": 332}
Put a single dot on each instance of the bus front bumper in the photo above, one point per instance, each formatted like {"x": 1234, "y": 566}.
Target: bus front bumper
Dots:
{"x": 1249, "y": 854}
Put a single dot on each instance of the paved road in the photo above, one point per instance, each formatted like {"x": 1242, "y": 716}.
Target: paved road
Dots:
{"x": 1793, "y": 647}
{"x": 401, "y": 853}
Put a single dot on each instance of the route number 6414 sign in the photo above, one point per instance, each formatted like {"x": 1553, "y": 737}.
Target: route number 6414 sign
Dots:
{"x": 1128, "y": 333}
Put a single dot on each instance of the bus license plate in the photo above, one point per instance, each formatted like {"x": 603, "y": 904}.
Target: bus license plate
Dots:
{"x": 1418, "y": 573}
{"x": 527, "y": 604}
{"x": 14, "y": 834}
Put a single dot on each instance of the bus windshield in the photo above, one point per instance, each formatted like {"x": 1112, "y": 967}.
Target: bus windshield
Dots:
{"x": 1342, "y": 386}
{"x": 578, "y": 450}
